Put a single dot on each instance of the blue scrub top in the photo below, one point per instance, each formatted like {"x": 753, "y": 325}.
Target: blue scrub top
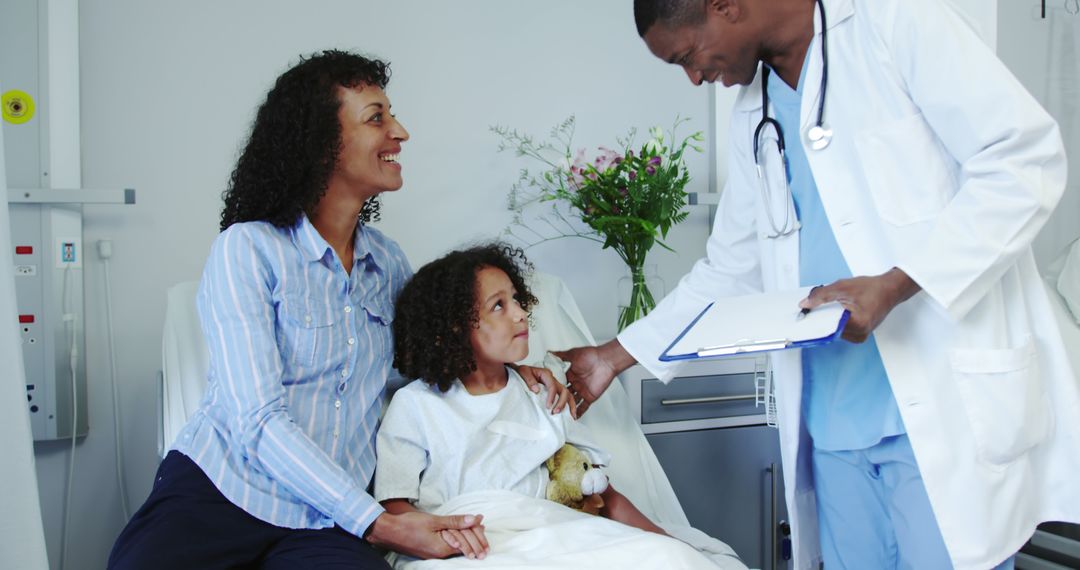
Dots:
{"x": 847, "y": 401}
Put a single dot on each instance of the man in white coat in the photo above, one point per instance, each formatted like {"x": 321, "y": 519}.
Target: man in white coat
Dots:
{"x": 945, "y": 426}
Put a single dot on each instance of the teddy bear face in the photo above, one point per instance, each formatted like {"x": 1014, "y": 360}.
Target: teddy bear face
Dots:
{"x": 570, "y": 481}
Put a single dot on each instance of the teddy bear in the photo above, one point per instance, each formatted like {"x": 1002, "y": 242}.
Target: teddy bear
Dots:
{"x": 574, "y": 482}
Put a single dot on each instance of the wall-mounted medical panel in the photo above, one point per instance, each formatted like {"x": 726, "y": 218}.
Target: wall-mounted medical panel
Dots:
{"x": 49, "y": 297}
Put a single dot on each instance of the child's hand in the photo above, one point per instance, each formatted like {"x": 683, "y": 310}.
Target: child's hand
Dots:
{"x": 470, "y": 541}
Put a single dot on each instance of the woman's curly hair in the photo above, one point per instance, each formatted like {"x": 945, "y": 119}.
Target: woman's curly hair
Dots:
{"x": 436, "y": 311}
{"x": 295, "y": 141}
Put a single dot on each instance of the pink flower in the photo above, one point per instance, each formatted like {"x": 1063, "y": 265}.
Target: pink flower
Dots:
{"x": 579, "y": 158}
{"x": 607, "y": 159}
{"x": 577, "y": 169}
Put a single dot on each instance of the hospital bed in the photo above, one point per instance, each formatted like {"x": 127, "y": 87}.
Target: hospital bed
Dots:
{"x": 557, "y": 323}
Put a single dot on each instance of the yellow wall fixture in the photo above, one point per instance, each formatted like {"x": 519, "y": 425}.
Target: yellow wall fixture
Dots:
{"x": 17, "y": 106}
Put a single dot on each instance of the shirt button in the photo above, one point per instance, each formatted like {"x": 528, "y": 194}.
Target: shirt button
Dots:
{"x": 337, "y": 404}
{"x": 344, "y": 373}
{"x": 336, "y": 434}
{"x": 307, "y": 318}
{"x": 352, "y": 341}
{"x": 348, "y": 309}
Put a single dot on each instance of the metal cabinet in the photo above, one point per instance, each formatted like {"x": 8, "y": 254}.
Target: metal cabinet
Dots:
{"x": 721, "y": 458}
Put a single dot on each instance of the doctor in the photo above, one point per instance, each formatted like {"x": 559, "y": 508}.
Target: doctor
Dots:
{"x": 879, "y": 148}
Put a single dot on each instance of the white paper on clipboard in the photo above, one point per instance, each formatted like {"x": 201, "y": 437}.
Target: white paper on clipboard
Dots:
{"x": 757, "y": 323}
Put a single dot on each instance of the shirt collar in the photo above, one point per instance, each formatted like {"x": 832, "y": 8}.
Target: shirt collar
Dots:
{"x": 836, "y": 12}
{"x": 314, "y": 247}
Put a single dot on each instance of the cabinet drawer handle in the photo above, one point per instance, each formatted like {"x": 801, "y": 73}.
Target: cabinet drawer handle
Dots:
{"x": 706, "y": 400}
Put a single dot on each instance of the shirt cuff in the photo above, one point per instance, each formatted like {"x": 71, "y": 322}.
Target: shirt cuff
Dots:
{"x": 357, "y": 511}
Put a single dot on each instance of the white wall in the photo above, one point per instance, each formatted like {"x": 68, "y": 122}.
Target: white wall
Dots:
{"x": 169, "y": 89}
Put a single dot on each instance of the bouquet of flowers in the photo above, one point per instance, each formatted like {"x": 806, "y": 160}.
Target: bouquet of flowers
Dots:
{"x": 627, "y": 199}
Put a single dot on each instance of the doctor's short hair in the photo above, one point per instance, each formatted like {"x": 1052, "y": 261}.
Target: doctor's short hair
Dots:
{"x": 437, "y": 310}
{"x": 672, "y": 13}
{"x": 295, "y": 140}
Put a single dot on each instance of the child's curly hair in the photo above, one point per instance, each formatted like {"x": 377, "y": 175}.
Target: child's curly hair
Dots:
{"x": 436, "y": 311}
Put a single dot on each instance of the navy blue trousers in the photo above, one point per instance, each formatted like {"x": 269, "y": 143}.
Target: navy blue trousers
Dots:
{"x": 187, "y": 523}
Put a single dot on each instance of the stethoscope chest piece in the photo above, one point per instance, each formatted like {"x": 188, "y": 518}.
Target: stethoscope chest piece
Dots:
{"x": 818, "y": 136}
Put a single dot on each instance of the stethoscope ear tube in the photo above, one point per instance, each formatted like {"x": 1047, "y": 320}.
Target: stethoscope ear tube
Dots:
{"x": 818, "y": 136}
{"x": 766, "y": 120}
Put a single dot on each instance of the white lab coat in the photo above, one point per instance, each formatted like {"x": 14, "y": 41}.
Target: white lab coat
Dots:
{"x": 944, "y": 166}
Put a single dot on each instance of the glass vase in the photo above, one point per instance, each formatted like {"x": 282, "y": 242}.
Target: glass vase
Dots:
{"x": 638, "y": 292}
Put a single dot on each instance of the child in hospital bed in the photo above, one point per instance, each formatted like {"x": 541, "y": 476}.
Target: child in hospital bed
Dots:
{"x": 467, "y": 425}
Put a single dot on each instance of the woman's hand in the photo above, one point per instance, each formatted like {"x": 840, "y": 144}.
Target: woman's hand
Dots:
{"x": 471, "y": 542}
{"x": 558, "y": 394}
{"x": 419, "y": 534}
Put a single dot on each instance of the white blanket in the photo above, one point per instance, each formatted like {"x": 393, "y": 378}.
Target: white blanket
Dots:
{"x": 525, "y": 532}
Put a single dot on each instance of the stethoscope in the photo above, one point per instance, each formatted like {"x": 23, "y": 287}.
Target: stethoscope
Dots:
{"x": 818, "y": 136}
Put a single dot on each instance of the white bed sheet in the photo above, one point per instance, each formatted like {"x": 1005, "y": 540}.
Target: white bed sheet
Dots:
{"x": 526, "y": 532}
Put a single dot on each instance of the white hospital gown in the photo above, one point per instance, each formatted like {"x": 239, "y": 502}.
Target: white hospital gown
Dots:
{"x": 433, "y": 446}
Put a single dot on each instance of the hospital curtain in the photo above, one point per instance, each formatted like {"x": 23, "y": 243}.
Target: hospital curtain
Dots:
{"x": 1062, "y": 100}
{"x": 22, "y": 536}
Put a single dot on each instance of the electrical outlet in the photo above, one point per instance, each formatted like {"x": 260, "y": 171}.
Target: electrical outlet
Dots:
{"x": 25, "y": 270}
{"x": 68, "y": 252}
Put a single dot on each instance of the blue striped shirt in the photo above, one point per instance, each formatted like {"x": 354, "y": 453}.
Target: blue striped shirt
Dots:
{"x": 300, "y": 355}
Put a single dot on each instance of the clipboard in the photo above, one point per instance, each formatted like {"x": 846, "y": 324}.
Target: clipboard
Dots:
{"x": 756, "y": 323}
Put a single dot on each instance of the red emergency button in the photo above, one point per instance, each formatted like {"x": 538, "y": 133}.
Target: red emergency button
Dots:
{"x": 26, "y": 319}
{"x": 24, "y": 250}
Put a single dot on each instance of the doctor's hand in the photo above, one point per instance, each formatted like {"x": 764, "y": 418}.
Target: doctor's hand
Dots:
{"x": 558, "y": 395}
{"x": 592, "y": 368}
{"x": 419, "y": 534}
{"x": 869, "y": 299}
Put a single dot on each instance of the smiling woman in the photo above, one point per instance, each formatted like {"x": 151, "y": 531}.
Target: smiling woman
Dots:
{"x": 296, "y": 302}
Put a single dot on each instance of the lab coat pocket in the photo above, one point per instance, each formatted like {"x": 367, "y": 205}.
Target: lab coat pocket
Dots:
{"x": 1003, "y": 397}
{"x": 906, "y": 170}
{"x": 304, "y": 331}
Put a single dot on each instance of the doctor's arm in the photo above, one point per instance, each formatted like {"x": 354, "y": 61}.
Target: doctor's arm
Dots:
{"x": 1012, "y": 163}
{"x": 1011, "y": 170}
